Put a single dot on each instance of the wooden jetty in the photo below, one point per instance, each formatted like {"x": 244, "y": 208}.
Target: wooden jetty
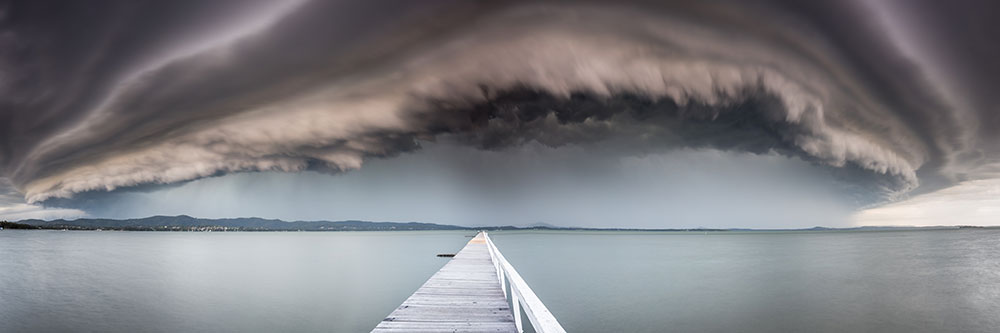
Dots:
{"x": 469, "y": 294}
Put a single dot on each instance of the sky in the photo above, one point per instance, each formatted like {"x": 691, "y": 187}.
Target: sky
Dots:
{"x": 652, "y": 114}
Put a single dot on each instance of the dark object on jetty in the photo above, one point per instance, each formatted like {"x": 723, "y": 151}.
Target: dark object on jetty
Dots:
{"x": 446, "y": 255}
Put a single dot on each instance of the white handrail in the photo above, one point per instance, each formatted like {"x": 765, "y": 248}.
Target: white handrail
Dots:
{"x": 520, "y": 294}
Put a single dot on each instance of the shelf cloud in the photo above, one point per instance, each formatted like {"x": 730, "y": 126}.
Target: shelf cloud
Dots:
{"x": 118, "y": 95}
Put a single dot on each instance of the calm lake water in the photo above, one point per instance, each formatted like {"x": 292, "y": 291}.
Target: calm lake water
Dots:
{"x": 900, "y": 281}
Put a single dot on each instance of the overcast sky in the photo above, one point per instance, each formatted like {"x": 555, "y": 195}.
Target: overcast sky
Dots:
{"x": 531, "y": 184}
{"x": 577, "y": 113}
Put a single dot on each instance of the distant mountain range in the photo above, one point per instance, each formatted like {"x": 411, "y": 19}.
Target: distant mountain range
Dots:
{"x": 188, "y": 223}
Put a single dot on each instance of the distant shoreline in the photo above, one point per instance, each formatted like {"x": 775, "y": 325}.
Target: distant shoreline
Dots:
{"x": 188, "y": 223}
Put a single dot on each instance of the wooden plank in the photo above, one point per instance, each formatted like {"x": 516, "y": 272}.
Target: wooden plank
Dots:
{"x": 464, "y": 296}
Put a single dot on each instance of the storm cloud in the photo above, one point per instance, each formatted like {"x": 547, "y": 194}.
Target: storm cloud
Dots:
{"x": 108, "y": 95}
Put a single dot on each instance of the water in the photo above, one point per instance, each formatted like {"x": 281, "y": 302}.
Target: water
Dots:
{"x": 917, "y": 281}
{"x": 924, "y": 281}
{"x": 88, "y": 281}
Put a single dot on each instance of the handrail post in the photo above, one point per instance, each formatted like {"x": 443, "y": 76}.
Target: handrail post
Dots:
{"x": 517, "y": 311}
{"x": 503, "y": 284}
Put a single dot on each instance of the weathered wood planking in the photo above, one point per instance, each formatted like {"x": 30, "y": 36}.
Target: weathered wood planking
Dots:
{"x": 464, "y": 296}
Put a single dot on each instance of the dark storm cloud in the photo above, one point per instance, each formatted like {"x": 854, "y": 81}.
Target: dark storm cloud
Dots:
{"x": 98, "y": 96}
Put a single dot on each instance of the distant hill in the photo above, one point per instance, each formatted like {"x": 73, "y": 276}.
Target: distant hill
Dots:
{"x": 188, "y": 223}
{"x": 543, "y": 225}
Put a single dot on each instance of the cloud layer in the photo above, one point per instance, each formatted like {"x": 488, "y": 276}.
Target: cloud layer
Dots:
{"x": 108, "y": 99}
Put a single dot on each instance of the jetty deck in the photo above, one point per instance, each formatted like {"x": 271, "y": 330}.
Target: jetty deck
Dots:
{"x": 464, "y": 296}
{"x": 469, "y": 294}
